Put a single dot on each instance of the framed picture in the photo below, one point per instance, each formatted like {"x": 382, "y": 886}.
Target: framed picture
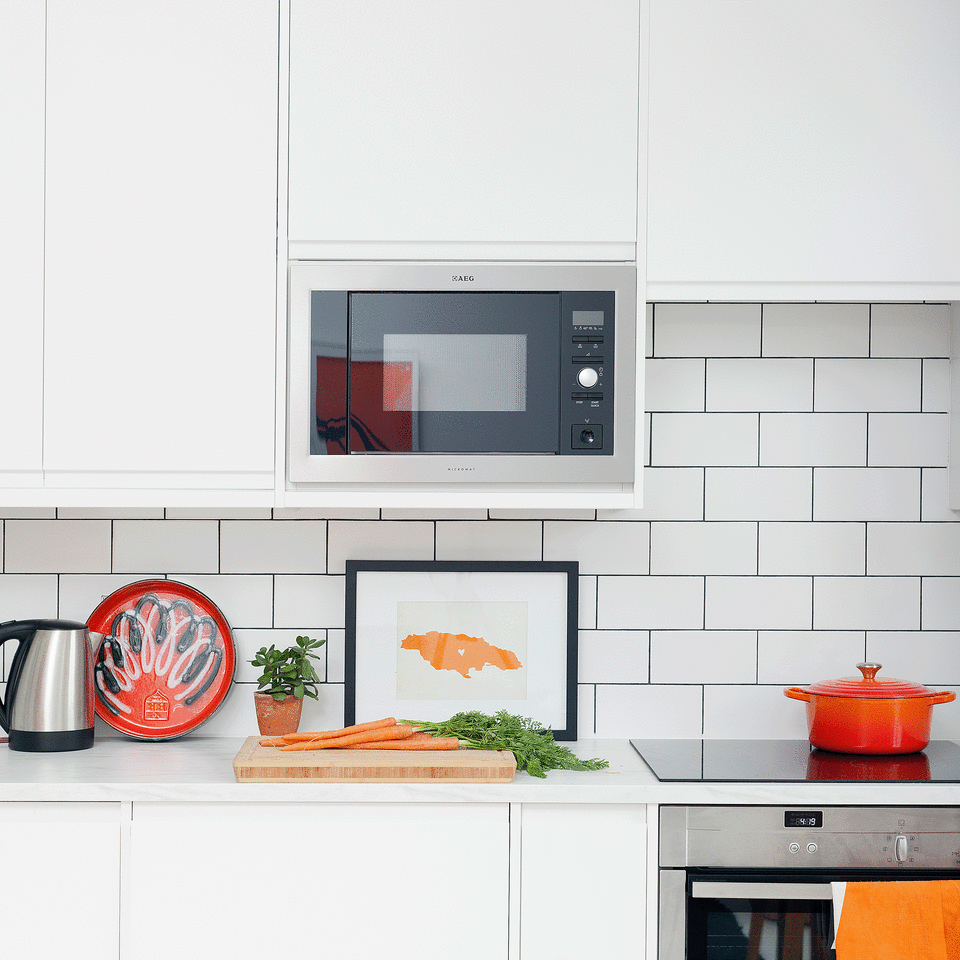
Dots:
{"x": 428, "y": 639}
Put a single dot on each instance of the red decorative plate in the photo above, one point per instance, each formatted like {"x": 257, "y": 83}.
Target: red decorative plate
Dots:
{"x": 166, "y": 661}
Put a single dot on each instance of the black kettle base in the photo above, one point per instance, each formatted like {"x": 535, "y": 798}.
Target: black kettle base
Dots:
{"x": 51, "y": 741}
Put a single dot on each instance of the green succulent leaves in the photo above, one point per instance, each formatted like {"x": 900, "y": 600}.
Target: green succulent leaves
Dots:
{"x": 288, "y": 672}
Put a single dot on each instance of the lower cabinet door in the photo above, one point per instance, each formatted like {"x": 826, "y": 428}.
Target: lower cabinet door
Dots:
{"x": 361, "y": 881}
{"x": 60, "y": 880}
{"x": 583, "y": 869}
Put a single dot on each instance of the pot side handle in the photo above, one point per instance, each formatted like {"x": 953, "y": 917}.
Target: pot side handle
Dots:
{"x": 796, "y": 693}
{"x": 945, "y": 696}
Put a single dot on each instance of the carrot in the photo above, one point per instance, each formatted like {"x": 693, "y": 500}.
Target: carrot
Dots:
{"x": 396, "y": 732}
{"x": 272, "y": 742}
{"x": 341, "y": 732}
{"x": 434, "y": 743}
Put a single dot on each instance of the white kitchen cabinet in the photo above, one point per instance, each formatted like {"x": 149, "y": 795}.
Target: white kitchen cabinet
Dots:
{"x": 60, "y": 881}
{"x": 583, "y": 870}
{"x": 364, "y": 881}
{"x": 803, "y": 150}
{"x": 479, "y": 130}
{"x": 161, "y": 221}
{"x": 21, "y": 241}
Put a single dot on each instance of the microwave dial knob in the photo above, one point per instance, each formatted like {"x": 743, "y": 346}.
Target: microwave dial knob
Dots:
{"x": 588, "y": 377}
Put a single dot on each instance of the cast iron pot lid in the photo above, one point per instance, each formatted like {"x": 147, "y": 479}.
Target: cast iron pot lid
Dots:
{"x": 869, "y": 686}
{"x": 166, "y": 661}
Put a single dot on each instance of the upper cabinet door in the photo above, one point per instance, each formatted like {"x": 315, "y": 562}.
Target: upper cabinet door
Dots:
{"x": 496, "y": 126}
{"x": 161, "y": 220}
{"x": 21, "y": 241}
{"x": 804, "y": 149}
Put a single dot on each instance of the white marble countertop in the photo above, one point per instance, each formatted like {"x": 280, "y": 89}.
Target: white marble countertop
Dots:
{"x": 201, "y": 769}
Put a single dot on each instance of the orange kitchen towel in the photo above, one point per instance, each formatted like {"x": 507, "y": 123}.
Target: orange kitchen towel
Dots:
{"x": 900, "y": 920}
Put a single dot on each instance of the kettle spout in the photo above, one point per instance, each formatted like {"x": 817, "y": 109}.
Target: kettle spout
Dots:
{"x": 95, "y": 640}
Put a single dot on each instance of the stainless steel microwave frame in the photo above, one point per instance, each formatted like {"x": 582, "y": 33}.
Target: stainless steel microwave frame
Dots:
{"x": 617, "y": 465}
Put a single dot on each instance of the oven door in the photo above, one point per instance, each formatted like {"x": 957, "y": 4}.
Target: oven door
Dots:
{"x": 732, "y": 917}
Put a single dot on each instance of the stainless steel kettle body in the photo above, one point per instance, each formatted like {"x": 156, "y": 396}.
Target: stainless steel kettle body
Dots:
{"x": 49, "y": 702}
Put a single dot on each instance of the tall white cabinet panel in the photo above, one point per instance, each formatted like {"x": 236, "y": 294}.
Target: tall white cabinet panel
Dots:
{"x": 424, "y": 123}
{"x": 364, "y": 881}
{"x": 21, "y": 241}
{"x": 60, "y": 880}
{"x": 592, "y": 856}
{"x": 807, "y": 143}
{"x": 161, "y": 212}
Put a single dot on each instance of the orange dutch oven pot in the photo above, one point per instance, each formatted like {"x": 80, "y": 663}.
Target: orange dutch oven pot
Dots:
{"x": 869, "y": 714}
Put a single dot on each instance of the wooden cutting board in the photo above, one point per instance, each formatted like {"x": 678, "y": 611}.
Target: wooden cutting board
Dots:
{"x": 272, "y": 765}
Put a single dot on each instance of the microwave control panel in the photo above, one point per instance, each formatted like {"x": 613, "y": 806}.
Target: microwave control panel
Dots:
{"x": 587, "y": 320}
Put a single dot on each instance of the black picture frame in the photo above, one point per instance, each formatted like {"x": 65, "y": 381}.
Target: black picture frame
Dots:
{"x": 535, "y": 602}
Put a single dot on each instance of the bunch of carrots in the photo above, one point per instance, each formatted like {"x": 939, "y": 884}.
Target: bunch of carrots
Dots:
{"x": 384, "y": 734}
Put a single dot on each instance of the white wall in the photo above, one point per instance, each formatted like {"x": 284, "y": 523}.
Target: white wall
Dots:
{"x": 795, "y": 523}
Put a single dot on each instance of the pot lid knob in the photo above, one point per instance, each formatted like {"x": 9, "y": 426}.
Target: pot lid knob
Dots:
{"x": 869, "y": 670}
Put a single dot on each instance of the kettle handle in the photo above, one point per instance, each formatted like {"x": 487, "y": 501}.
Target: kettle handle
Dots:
{"x": 14, "y": 630}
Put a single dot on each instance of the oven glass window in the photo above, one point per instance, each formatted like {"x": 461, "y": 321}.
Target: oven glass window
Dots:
{"x": 760, "y": 929}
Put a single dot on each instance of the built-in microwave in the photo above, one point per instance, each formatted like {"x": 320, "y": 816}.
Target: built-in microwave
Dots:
{"x": 462, "y": 373}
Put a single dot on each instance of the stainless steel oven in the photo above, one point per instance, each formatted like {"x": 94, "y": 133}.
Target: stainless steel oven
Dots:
{"x": 744, "y": 883}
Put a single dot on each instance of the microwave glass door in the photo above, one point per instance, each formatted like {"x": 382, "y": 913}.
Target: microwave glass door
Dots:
{"x": 437, "y": 372}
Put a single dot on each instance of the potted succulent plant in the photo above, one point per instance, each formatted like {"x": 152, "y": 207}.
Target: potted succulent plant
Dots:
{"x": 288, "y": 676}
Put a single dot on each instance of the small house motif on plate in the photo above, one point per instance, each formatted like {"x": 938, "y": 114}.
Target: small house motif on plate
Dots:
{"x": 156, "y": 707}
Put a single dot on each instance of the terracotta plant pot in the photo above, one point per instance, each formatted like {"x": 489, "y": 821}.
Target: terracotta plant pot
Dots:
{"x": 869, "y": 715}
{"x": 277, "y": 717}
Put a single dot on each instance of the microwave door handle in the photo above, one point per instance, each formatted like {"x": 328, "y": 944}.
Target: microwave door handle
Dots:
{"x": 723, "y": 890}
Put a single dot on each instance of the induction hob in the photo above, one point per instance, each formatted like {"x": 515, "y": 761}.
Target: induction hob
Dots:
{"x": 772, "y": 761}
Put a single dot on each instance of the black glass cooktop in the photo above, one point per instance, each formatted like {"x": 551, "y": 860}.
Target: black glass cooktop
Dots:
{"x": 771, "y": 761}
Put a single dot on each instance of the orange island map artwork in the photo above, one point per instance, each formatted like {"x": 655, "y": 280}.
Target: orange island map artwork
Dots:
{"x": 460, "y": 650}
{"x": 460, "y": 653}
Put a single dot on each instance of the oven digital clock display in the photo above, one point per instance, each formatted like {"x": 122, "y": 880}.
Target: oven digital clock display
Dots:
{"x": 803, "y": 818}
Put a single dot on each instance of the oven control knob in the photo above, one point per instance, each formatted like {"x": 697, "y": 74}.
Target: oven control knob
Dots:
{"x": 794, "y": 847}
{"x": 811, "y": 848}
{"x": 588, "y": 377}
{"x": 900, "y": 848}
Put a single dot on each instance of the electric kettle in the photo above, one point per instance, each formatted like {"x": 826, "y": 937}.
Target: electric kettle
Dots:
{"x": 49, "y": 702}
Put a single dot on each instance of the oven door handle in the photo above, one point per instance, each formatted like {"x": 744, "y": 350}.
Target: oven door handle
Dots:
{"x": 724, "y": 890}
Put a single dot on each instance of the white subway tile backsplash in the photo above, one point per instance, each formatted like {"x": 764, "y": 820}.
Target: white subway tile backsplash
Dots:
{"x": 910, "y": 330}
{"x": 489, "y": 540}
{"x": 703, "y": 548}
{"x": 935, "y": 384}
{"x": 814, "y": 549}
{"x": 656, "y": 603}
{"x": 758, "y": 493}
{"x": 913, "y": 549}
{"x": 703, "y": 656}
{"x": 706, "y": 330}
{"x": 619, "y": 547}
{"x": 866, "y": 385}
{"x": 649, "y": 711}
{"x": 752, "y": 712}
{"x": 383, "y": 540}
{"x": 704, "y": 439}
{"x": 614, "y": 656}
{"x": 816, "y": 329}
{"x": 866, "y": 603}
{"x": 813, "y": 439}
{"x": 794, "y": 522}
{"x": 674, "y": 385}
{"x": 758, "y": 603}
{"x": 881, "y": 494}
{"x": 56, "y": 546}
{"x": 929, "y": 658}
{"x": 28, "y": 596}
{"x": 273, "y": 546}
{"x": 747, "y": 384}
{"x": 188, "y": 545}
{"x": 312, "y": 599}
{"x": 940, "y": 603}
{"x": 800, "y": 657}
{"x": 669, "y": 493}
{"x": 908, "y": 440}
